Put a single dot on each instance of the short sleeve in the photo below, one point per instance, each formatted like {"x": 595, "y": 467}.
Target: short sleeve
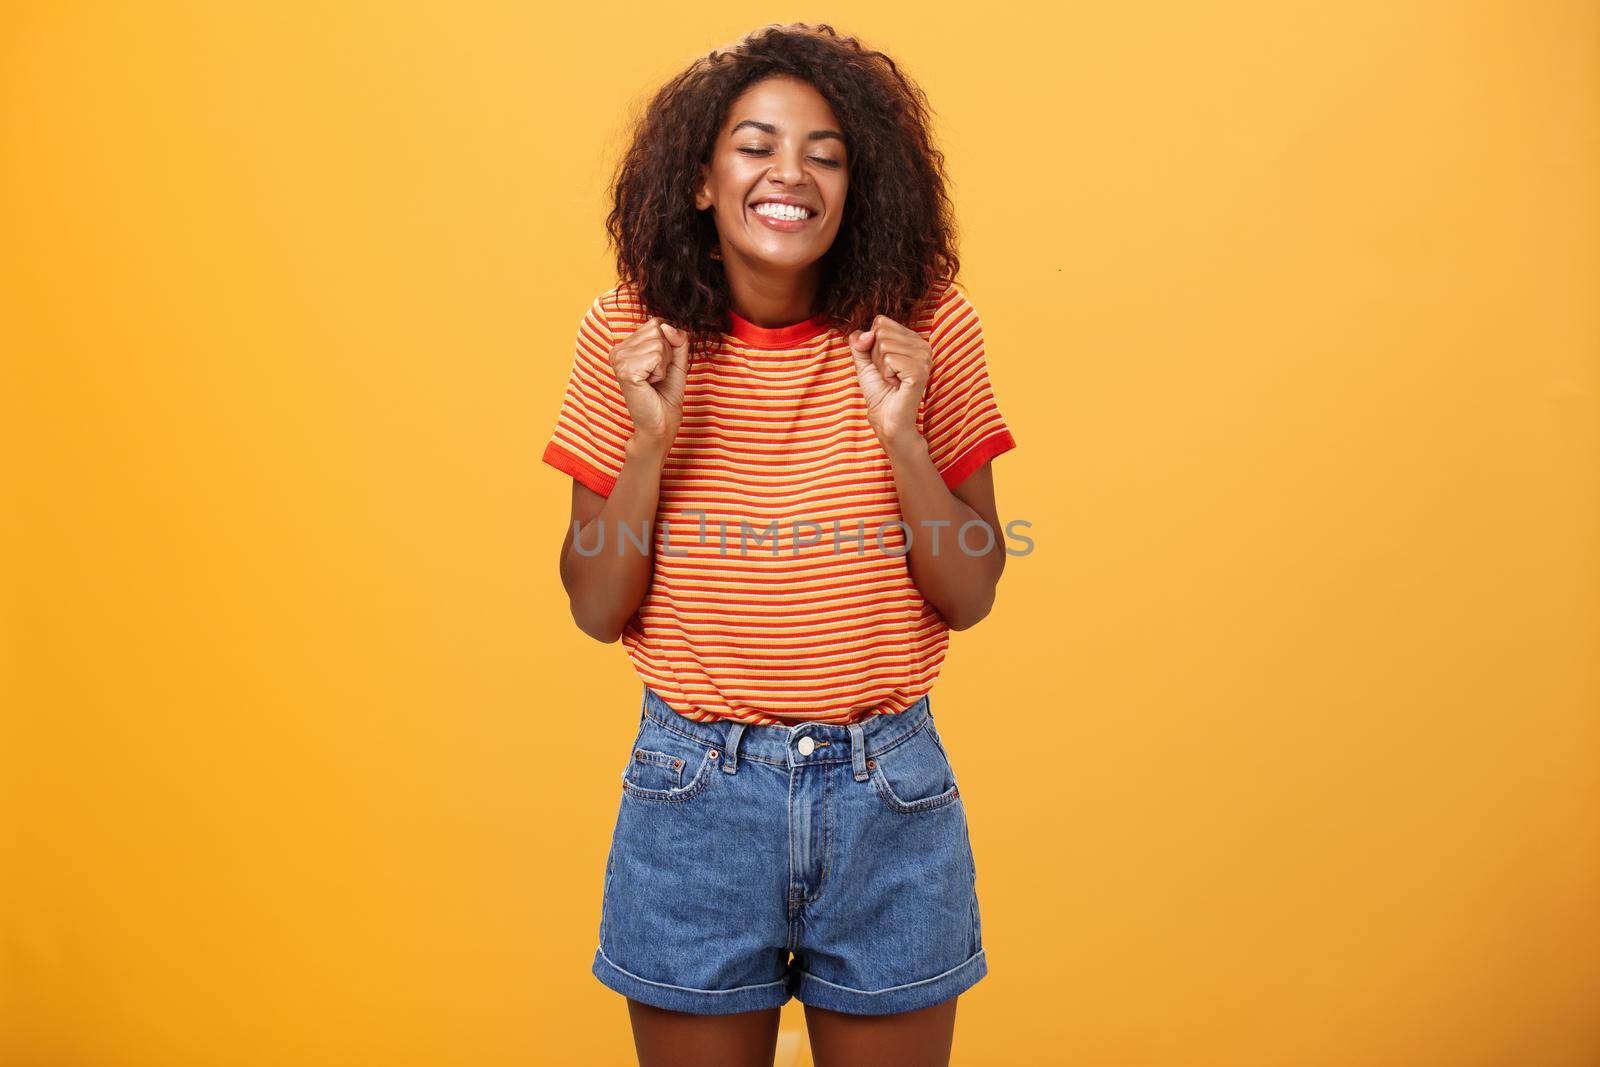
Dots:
{"x": 961, "y": 421}
{"x": 593, "y": 425}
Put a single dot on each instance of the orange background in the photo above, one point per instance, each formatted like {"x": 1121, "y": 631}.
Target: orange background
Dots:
{"x": 1280, "y": 748}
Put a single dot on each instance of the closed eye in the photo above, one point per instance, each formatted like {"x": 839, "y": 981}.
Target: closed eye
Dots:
{"x": 767, "y": 151}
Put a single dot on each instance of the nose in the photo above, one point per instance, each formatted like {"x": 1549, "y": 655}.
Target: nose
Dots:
{"x": 786, "y": 167}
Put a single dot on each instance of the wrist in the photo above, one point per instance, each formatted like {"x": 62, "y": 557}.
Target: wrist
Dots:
{"x": 651, "y": 450}
{"x": 904, "y": 448}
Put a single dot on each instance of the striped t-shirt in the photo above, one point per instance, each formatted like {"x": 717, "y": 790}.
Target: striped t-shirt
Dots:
{"x": 807, "y": 612}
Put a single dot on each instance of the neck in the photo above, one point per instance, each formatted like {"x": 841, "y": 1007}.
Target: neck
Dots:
{"x": 771, "y": 298}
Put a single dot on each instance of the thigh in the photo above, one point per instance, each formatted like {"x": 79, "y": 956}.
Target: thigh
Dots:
{"x": 920, "y": 1038}
{"x": 665, "y": 1038}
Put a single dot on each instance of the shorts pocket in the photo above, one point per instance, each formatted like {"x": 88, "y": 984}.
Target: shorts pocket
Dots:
{"x": 915, "y": 775}
{"x": 651, "y": 769}
{"x": 666, "y": 766}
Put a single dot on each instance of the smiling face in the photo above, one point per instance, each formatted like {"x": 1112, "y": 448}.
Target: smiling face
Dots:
{"x": 780, "y": 144}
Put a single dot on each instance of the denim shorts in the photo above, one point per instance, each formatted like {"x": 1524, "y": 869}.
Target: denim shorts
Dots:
{"x": 751, "y": 863}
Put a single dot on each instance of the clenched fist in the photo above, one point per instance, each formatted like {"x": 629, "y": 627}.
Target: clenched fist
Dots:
{"x": 892, "y": 366}
{"x": 651, "y": 365}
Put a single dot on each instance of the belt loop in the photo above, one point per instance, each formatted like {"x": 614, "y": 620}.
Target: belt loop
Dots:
{"x": 858, "y": 751}
{"x": 731, "y": 745}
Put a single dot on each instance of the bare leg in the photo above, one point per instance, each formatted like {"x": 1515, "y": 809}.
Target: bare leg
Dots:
{"x": 665, "y": 1038}
{"x": 920, "y": 1038}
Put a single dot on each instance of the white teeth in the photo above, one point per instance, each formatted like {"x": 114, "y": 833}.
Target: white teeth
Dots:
{"x": 782, "y": 211}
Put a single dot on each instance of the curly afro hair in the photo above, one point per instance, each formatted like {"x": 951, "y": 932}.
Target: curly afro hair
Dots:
{"x": 896, "y": 237}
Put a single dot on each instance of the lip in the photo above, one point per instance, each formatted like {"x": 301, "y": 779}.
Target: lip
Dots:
{"x": 783, "y": 225}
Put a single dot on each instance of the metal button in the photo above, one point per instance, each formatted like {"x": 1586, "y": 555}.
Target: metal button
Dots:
{"x": 805, "y": 745}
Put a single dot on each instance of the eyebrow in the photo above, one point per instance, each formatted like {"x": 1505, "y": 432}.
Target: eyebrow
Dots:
{"x": 767, "y": 127}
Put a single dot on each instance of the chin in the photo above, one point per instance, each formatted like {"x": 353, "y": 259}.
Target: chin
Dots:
{"x": 786, "y": 262}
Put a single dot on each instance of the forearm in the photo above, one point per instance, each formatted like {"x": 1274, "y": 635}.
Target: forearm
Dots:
{"x": 608, "y": 579}
{"x": 956, "y": 571}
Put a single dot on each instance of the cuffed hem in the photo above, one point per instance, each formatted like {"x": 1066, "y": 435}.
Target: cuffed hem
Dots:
{"x": 586, "y": 474}
{"x": 980, "y": 453}
{"x": 686, "y": 998}
{"x": 909, "y": 997}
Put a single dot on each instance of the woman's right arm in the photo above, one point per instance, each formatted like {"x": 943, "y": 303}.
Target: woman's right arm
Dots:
{"x": 608, "y": 580}
{"x": 605, "y": 587}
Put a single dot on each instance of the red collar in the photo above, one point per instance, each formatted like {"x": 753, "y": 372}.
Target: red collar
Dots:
{"x": 776, "y": 336}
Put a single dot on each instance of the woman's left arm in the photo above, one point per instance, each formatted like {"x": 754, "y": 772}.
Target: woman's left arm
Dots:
{"x": 957, "y": 551}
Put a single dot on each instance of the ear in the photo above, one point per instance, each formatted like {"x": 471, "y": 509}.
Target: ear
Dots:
{"x": 702, "y": 195}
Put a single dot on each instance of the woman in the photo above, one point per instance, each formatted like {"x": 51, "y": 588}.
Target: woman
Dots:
{"x": 779, "y": 426}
